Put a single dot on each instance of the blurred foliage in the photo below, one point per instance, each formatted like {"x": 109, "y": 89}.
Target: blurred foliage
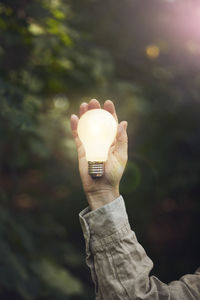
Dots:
{"x": 54, "y": 54}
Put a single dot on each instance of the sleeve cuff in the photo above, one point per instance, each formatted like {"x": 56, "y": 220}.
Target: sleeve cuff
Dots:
{"x": 104, "y": 221}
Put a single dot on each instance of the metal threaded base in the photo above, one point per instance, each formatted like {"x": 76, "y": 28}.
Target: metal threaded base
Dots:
{"x": 95, "y": 169}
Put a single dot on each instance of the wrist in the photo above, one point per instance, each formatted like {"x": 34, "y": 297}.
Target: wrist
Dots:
{"x": 102, "y": 197}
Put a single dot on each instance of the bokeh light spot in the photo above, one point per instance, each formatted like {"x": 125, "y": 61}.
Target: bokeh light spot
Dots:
{"x": 24, "y": 202}
{"x": 152, "y": 51}
{"x": 61, "y": 102}
{"x": 193, "y": 47}
{"x": 36, "y": 29}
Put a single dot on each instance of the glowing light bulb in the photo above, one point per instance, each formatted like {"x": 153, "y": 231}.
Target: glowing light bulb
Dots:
{"x": 97, "y": 129}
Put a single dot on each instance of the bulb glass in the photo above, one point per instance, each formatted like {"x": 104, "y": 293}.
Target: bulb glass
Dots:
{"x": 97, "y": 129}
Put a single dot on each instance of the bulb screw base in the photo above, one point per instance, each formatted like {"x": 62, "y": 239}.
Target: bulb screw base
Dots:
{"x": 95, "y": 169}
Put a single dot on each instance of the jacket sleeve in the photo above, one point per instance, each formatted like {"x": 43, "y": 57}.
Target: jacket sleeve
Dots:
{"x": 120, "y": 266}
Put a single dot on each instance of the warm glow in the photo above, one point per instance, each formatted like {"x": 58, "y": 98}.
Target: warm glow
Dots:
{"x": 193, "y": 47}
{"x": 97, "y": 129}
{"x": 152, "y": 51}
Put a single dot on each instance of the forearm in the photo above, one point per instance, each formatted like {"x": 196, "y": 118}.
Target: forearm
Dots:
{"x": 118, "y": 259}
{"x": 120, "y": 265}
{"x": 102, "y": 197}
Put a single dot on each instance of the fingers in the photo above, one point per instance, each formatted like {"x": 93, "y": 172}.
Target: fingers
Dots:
{"x": 86, "y": 106}
{"x": 83, "y": 108}
{"x": 121, "y": 145}
{"x": 109, "y": 106}
{"x": 121, "y": 132}
{"x": 74, "y": 123}
{"x": 94, "y": 104}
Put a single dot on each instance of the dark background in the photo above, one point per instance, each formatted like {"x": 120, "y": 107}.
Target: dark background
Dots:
{"x": 54, "y": 54}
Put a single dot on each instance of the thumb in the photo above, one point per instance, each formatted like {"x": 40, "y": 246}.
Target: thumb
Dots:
{"x": 121, "y": 145}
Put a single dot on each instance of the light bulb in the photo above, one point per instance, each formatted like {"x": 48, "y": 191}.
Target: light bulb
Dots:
{"x": 97, "y": 129}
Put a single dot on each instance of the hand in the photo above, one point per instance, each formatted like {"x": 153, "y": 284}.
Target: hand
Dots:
{"x": 100, "y": 191}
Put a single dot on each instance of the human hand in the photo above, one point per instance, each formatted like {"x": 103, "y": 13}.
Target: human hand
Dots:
{"x": 100, "y": 191}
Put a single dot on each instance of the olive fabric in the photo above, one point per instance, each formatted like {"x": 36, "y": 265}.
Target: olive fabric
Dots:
{"x": 120, "y": 266}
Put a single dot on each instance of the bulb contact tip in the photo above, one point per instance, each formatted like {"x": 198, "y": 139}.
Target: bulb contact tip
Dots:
{"x": 95, "y": 169}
